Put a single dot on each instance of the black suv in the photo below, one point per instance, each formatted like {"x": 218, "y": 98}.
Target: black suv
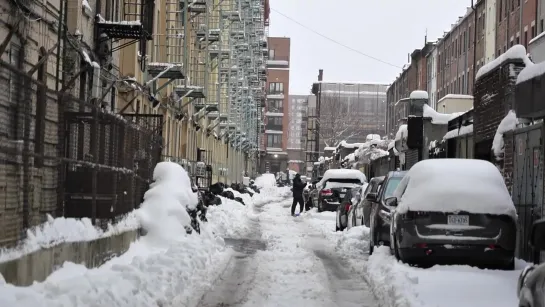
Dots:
{"x": 380, "y": 212}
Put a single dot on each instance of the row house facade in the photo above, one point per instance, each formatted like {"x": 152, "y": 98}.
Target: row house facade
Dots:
{"x": 96, "y": 93}
{"x": 484, "y": 32}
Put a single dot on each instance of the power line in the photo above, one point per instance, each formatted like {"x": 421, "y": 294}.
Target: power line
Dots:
{"x": 335, "y": 41}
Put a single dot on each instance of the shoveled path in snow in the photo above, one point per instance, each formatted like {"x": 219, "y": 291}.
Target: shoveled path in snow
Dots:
{"x": 286, "y": 263}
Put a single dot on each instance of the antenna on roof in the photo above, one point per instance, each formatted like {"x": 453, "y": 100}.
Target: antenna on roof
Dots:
{"x": 426, "y": 37}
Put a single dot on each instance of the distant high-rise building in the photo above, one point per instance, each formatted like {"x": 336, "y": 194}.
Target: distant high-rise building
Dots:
{"x": 349, "y": 111}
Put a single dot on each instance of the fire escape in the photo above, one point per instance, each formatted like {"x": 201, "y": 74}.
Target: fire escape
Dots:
{"x": 135, "y": 27}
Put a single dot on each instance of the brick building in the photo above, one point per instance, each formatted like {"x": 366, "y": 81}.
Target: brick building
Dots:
{"x": 515, "y": 23}
{"x": 413, "y": 77}
{"x": 276, "y": 119}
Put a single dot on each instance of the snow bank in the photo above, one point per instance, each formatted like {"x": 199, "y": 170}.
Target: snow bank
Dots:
{"x": 464, "y": 130}
{"x": 531, "y": 71}
{"x": 439, "y": 118}
{"x": 60, "y": 230}
{"x": 398, "y": 284}
{"x": 508, "y": 123}
{"x": 447, "y": 185}
{"x": 164, "y": 268}
{"x": 342, "y": 174}
{"x": 515, "y": 52}
{"x": 265, "y": 181}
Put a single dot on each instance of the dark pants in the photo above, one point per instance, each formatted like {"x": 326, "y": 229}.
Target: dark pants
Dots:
{"x": 297, "y": 199}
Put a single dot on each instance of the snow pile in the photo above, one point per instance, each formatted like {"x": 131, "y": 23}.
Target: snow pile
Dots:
{"x": 60, "y": 230}
{"x": 419, "y": 95}
{"x": 464, "y": 130}
{"x": 265, "y": 181}
{"x": 448, "y": 185}
{"x": 531, "y": 71}
{"x": 164, "y": 210}
{"x": 397, "y": 284}
{"x": 446, "y": 286}
{"x": 165, "y": 267}
{"x": 508, "y": 123}
{"x": 439, "y": 118}
{"x": 514, "y": 53}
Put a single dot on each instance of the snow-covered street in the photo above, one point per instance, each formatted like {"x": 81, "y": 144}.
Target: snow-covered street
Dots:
{"x": 287, "y": 262}
{"x": 258, "y": 255}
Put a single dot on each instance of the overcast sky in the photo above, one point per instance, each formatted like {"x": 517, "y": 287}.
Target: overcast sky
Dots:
{"x": 384, "y": 29}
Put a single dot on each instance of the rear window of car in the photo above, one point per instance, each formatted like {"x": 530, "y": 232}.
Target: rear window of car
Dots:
{"x": 342, "y": 183}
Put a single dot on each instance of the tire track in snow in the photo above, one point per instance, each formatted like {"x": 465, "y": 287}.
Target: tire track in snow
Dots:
{"x": 234, "y": 283}
{"x": 347, "y": 288}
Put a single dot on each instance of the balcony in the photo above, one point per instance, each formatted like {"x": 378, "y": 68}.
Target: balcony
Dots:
{"x": 270, "y": 129}
{"x": 279, "y": 62}
{"x": 275, "y": 95}
{"x": 275, "y": 112}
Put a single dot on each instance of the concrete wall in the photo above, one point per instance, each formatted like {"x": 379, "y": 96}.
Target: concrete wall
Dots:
{"x": 40, "y": 264}
{"x": 455, "y": 104}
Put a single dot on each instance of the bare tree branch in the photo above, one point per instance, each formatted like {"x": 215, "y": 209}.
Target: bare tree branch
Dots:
{"x": 337, "y": 121}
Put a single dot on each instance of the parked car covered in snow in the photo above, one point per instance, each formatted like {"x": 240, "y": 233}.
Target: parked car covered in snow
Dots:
{"x": 453, "y": 211}
{"x": 335, "y": 183}
{"x": 351, "y": 198}
{"x": 380, "y": 211}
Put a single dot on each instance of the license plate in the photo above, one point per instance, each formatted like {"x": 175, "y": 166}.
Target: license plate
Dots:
{"x": 458, "y": 220}
{"x": 343, "y": 190}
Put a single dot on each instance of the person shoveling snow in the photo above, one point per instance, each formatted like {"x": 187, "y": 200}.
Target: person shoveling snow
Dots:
{"x": 298, "y": 187}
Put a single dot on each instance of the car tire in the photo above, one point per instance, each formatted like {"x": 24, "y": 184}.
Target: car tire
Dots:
{"x": 510, "y": 266}
{"x": 395, "y": 249}
{"x": 371, "y": 241}
{"x": 320, "y": 207}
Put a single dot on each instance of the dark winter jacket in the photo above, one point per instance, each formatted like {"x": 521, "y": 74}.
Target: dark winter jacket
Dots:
{"x": 298, "y": 186}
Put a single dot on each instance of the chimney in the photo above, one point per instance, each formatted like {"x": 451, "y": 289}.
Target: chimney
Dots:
{"x": 320, "y": 75}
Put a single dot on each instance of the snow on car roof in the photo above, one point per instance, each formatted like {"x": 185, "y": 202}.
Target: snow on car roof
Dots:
{"x": 343, "y": 174}
{"x": 450, "y": 185}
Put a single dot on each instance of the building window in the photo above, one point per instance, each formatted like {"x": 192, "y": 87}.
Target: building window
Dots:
{"x": 274, "y": 140}
{"x": 533, "y": 32}
{"x": 275, "y": 121}
{"x": 518, "y": 40}
{"x": 541, "y": 25}
{"x": 526, "y": 39}
{"x": 276, "y": 88}
{"x": 275, "y": 106}
{"x": 271, "y": 54}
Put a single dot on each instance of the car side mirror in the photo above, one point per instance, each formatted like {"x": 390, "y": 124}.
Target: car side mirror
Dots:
{"x": 391, "y": 201}
{"x": 537, "y": 236}
{"x": 371, "y": 197}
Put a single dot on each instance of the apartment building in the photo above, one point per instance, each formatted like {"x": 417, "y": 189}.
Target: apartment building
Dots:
{"x": 296, "y": 131}
{"x": 516, "y": 23}
{"x": 274, "y": 157}
{"x": 349, "y": 111}
{"x": 96, "y": 93}
{"x": 414, "y": 76}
